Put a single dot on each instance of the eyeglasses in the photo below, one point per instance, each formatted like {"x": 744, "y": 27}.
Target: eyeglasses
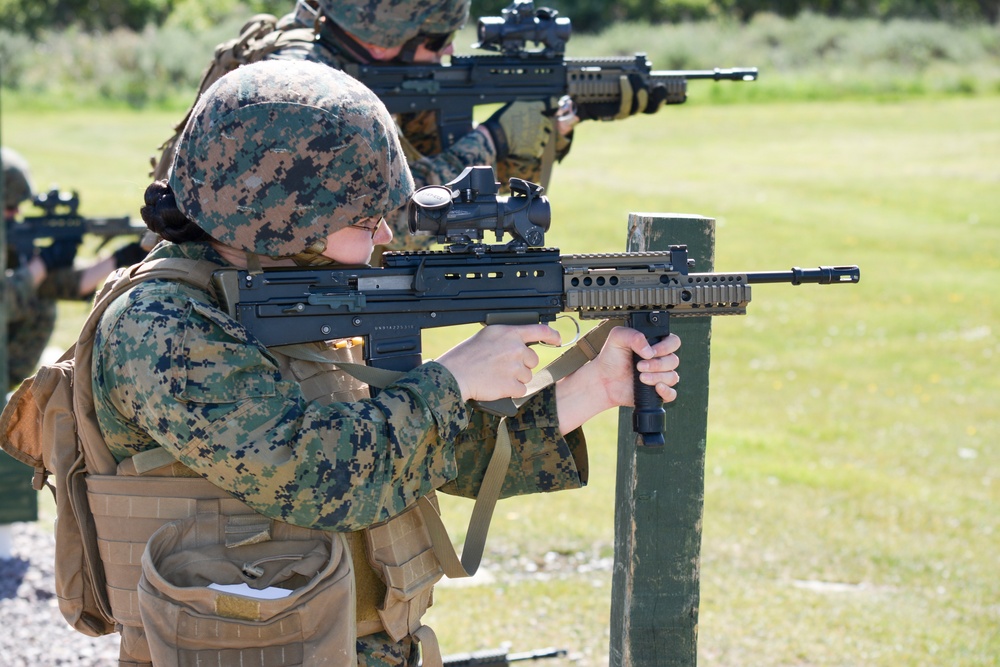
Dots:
{"x": 368, "y": 224}
{"x": 434, "y": 42}
{"x": 437, "y": 42}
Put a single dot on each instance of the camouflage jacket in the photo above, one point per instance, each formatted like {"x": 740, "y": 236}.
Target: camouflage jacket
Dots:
{"x": 31, "y": 316}
{"x": 173, "y": 369}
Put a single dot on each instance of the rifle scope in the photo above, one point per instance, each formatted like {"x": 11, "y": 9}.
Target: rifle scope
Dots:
{"x": 463, "y": 210}
{"x": 521, "y": 23}
{"x": 53, "y": 200}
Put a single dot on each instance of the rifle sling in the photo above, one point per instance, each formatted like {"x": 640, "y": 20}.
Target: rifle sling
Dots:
{"x": 584, "y": 350}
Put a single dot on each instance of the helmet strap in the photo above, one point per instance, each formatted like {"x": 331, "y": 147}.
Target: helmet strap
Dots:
{"x": 335, "y": 37}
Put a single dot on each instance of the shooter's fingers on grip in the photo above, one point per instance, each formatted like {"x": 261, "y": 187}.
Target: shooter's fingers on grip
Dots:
{"x": 657, "y": 365}
{"x": 520, "y": 129}
{"x": 497, "y": 362}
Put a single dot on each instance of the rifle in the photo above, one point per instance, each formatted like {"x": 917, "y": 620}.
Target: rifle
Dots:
{"x": 516, "y": 73}
{"x": 499, "y": 657}
{"x": 60, "y": 220}
{"x": 516, "y": 283}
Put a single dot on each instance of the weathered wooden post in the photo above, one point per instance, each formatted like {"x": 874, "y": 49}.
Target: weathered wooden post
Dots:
{"x": 660, "y": 492}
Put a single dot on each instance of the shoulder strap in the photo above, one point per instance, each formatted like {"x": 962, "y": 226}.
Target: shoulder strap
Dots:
{"x": 195, "y": 272}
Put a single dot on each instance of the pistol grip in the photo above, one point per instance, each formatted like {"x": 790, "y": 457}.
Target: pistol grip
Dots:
{"x": 648, "y": 417}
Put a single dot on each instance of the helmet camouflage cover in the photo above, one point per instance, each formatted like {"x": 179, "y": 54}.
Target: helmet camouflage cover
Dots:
{"x": 277, "y": 155}
{"x": 16, "y": 178}
{"x": 389, "y": 23}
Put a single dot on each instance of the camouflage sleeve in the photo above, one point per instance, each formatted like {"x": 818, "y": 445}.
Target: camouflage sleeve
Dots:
{"x": 541, "y": 459}
{"x": 221, "y": 406}
{"x": 62, "y": 284}
{"x": 20, "y": 293}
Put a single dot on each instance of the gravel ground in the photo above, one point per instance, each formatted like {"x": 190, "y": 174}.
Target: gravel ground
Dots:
{"x": 33, "y": 632}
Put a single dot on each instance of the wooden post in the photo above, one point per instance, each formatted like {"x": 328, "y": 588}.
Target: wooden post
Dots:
{"x": 660, "y": 493}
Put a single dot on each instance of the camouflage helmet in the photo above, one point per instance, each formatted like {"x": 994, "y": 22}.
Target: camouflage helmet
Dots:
{"x": 277, "y": 155}
{"x": 389, "y": 23}
{"x": 16, "y": 178}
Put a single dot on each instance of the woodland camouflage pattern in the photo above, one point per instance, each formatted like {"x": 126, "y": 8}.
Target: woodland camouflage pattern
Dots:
{"x": 275, "y": 188}
{"x": 219, "y": 403}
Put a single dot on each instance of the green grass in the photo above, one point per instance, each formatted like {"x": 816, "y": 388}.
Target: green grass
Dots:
{"x": 853, "y": 469}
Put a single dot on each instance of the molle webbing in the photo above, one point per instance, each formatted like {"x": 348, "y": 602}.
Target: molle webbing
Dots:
{"x": 128, "y": 510}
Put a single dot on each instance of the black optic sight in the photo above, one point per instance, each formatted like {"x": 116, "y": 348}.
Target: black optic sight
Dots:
{"x": 521, "y": 23}
{"x": 466, "y": 208}
{"x": 53, "y": 200}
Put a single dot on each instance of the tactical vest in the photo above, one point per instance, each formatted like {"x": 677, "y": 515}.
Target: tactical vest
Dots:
{"x": 393, "y": 563}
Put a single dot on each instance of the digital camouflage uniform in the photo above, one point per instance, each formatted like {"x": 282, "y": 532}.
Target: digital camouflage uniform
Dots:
{"x": 428, "y": 163}
{"x": 172, "y": 369}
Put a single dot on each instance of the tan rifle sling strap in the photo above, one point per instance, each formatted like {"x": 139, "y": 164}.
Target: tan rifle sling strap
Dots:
{"x": 584, "y": 350}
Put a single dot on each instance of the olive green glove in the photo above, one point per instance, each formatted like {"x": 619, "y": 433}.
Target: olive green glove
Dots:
{"x": 637, "y": 96}
{"x": 520, "y": 129}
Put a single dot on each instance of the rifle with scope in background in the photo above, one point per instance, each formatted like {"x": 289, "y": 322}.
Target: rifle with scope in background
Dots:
{"x": 499, "y": 657}
{"x": 513, "y": 73}
{"x": 60, "y": 220}
{"x": 519, "y": 282}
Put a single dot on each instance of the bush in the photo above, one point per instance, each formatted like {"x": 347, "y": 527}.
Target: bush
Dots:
{"x": 809, "y": 57}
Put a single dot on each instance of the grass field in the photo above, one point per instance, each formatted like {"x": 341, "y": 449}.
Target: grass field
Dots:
{"x": 853, "y": 464}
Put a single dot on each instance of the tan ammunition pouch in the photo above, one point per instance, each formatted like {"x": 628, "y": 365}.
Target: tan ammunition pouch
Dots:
{"x": 163, "y": 539}
{"x": 188, "y": 623}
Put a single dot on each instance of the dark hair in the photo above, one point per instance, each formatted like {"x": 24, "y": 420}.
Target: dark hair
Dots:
{"x": 162, "y": 216}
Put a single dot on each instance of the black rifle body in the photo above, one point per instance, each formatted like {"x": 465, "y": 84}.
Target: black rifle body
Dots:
{"x": 499, "y": 657}
{"x": 22, "y": 234}
{"x": 60, "y": 221}
{"x": 389, "y": 306}
{"x": 454, "y": 90}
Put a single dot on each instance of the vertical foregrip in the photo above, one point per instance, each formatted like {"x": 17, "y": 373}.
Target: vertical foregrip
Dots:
{"x": 648, "y": 418}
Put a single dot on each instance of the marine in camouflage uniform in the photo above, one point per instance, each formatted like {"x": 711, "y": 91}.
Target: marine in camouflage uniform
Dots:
{"x": 407, "y": 23}
{"x": 275, "y": 158}
{"x": 31, "y": 320}
{"x": 31, "y": 309}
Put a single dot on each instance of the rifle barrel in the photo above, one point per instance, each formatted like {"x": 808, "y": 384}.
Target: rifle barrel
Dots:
{"x": 823, "y": 275}
{"x": 717, "y": 74}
